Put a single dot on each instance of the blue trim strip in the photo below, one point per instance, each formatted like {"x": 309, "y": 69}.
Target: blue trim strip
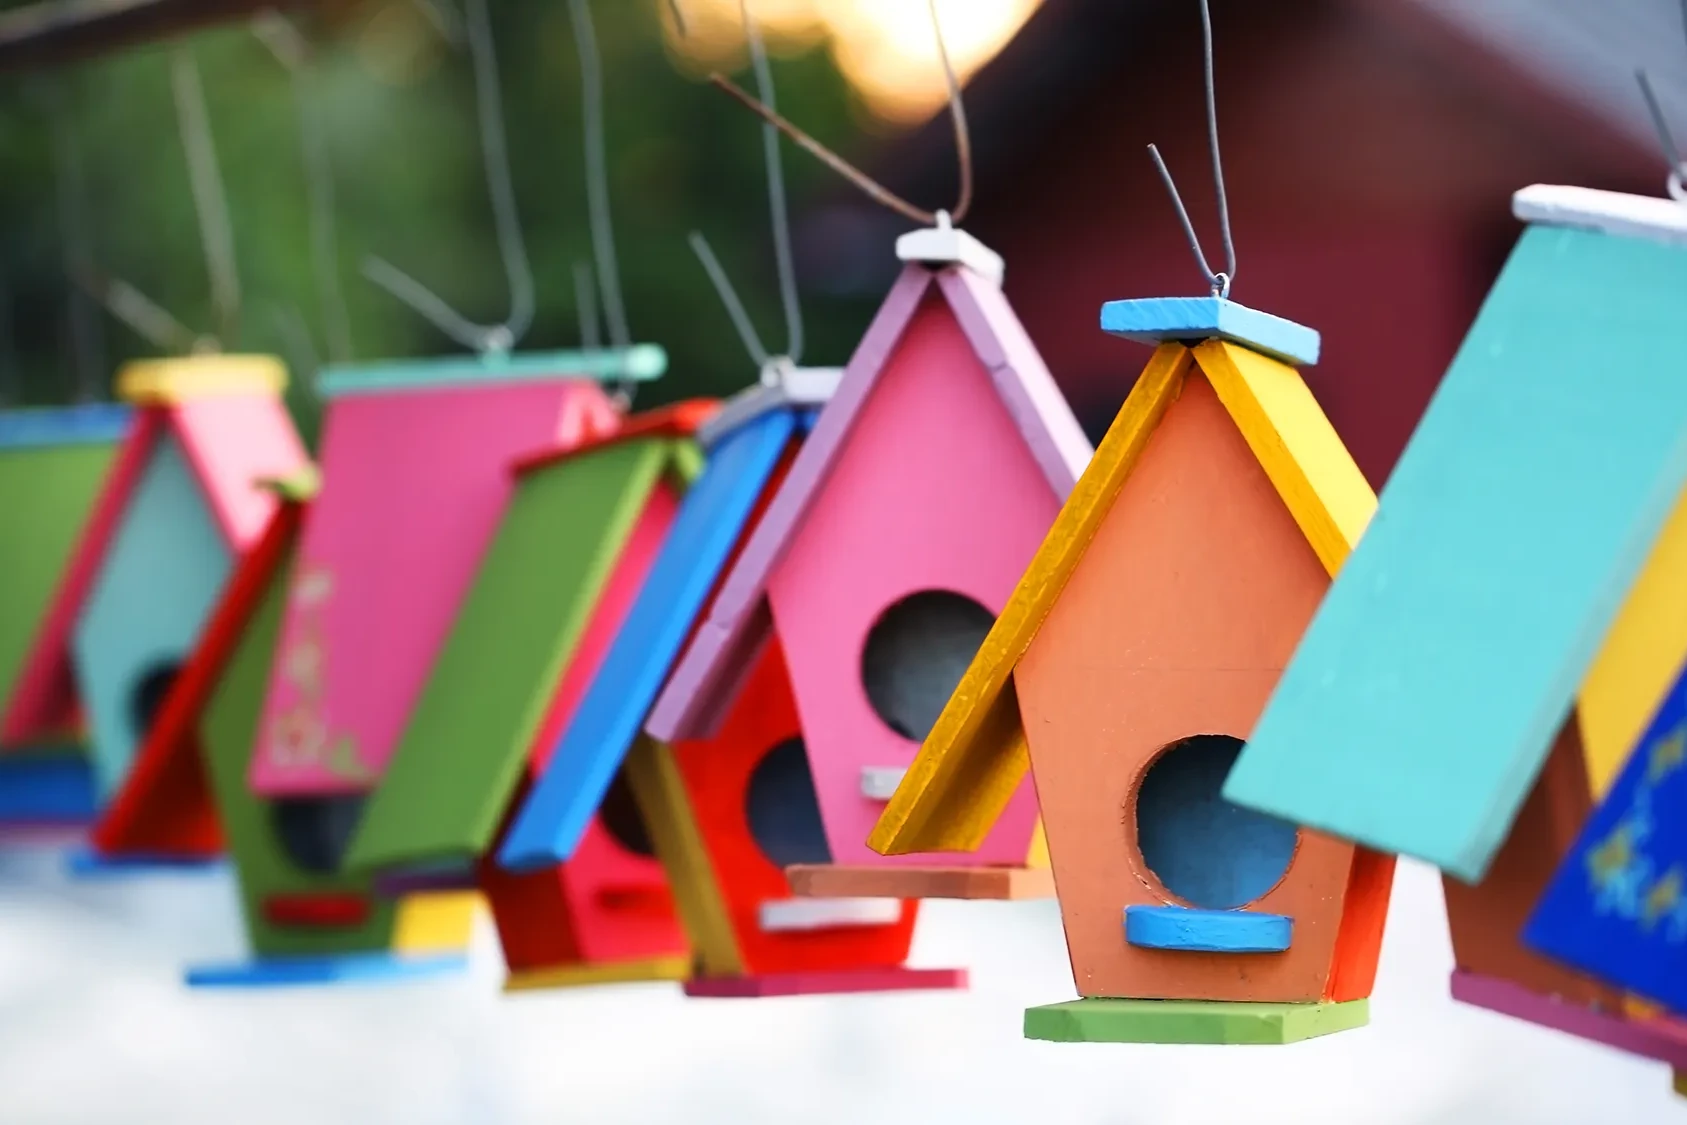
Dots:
{"x": 368, "y": 968}
{"x": 97, "y": 423}
{"x": 1206, "y": 931}
{"x": 47, "y": 789}
{"x": 1157, "y": 319}
{"x": 85, "y": 863}
{"x": 642, "y": 362}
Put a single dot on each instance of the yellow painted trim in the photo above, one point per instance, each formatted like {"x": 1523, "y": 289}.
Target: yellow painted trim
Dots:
{"x": 167, "y": 382}
{"x": 1038, "y": 857}
{"x": 975, "y": 756}
{"x": 1679, "y": 1082}
{"x": 1296, "y": 446}
{"x": 1639, "y": 660}
{"x": 298, "y": 487}
{"x": 675, "y": 968}
{"x": 654, "y": 778}
{"x": 435, "y": 922}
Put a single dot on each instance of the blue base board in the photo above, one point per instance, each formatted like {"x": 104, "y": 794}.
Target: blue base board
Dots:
{"x": 347, "y": 968}
{"x": 53, "y": 789}
{"x": 85, "y": 863}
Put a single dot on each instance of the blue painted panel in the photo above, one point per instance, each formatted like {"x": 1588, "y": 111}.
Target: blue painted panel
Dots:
{"x": 46, "y": 789}
{"x": 347, "y": 968}
{"x": 158, "y": 582}
{"x": 85, "y": 863}
{"x": 1206, "y": 931}
{"x": 641, "y": 362}
{"x": 1617, "y": 907}
{"x": 93, "y": 424}
{"x": 1157, "y": 319}
{"x": 1435, "y": 675}
{"x": 710, "y": 520}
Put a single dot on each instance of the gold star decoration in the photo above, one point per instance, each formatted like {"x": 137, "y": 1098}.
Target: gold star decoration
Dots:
{"x": 1613, "y": 854}
{"x": 1667, "y": 755}
{"x": 1663, "y": 898}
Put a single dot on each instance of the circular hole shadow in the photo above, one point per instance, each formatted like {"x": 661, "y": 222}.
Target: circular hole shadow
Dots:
{"x": 147, "y": 697}
{"x": 783, "y": 809}
{"x": 315, "y": 832}
{"x": 623, "y": 820}
{"x": 915, "y": 655}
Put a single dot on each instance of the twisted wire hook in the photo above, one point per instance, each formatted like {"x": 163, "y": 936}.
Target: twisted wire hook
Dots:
{"x": 1666, "y": 136}
{"x": 495, "y": 338}
{"x": 597, "y": 174}
{"x": 1220, "y": 282}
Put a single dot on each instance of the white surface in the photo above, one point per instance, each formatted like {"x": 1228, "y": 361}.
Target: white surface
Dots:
{"x": 1613, "y": 212}
{"x": 95, "y": 1028}
{"x": 878, "y": 783}
{"x": 803, "y": 914}
{"x": 945, "y": 245}
{"x": 781, "y": 384}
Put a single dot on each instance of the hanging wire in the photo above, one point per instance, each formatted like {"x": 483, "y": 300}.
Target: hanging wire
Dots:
{"x": 1666, "y": 137}
{"x": 679, "y": 19}
{"x": 210, "y": 200}
{"x": 144, "y": 317}
{"x": 872, "y": 188}
{"x": 71, "y": 189}
{"x": 585, "y": 303}
{"x": 506, "y": 219}
{"x": 295, "y": 335}
{"x": 1220, "y": 282}
{"x": 729, "y": 297}
{"x": 597, "y": 174}
{"x": 443, "y": 20}
{"x": 294, "y": 54}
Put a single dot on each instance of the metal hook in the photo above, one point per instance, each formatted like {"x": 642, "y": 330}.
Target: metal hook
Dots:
{"x": 293, "y": 53}
{"x": 1220, "y": 282}
{"x": 729, "y": 297}
{"x": 210, "y": 199}
{"x": 873, "y": 189}
{"x": 597, "y": 174}
{"x": 1666, "y": 137}
{"x": 506, "y": 220}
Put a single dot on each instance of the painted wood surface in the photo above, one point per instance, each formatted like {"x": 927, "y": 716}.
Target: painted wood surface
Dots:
{"x": 843, "y": 981}
{"x": 232, "y": 442}
{"x": 1170, "y": 1021}
{"x": 1665, "y": 1040}
{"x": 47, "y": 493}
{"x": 1616, "y": 906}
{"x": 53, "y": 427}
{"x": 1514, "y": 525}
{"x": 591, "y": 746}
{"x": 1207, "y": 931}
{"x": 888, "y": 522}
{"x": 1156, "y": 320}
{"x": 715, "y": 662}
{"x": 827, "y": 880}
{"x": 556, "y": 551}
{"x": 156, "y": 587}
{"x": 416, "y": 482}
{"x": 1176, "y": 622}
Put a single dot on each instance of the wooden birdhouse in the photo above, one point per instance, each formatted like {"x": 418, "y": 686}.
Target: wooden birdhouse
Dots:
{"x": 178, "y": 505}
{"x": 725, "y": 813}
{"x": 305, "y": 922}
{"x": 1132, "y": 661}
{"x": 1505, "y": 630}
{"x": 53, "y": 462}
{"x": 905, "y": 520}
{"x": 571, "y": 551}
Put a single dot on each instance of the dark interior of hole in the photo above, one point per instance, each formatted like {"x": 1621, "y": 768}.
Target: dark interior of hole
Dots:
{"x": 147, "y": 697}
{"x": 916, "y": 654}
{"x": 1207, "y": 851}
{"x": 783, "y": 810}
{"x": 620, "y": 816}
{"x": 315, "y": 831}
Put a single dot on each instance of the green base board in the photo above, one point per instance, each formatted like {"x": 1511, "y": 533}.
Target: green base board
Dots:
{"x": 1098, "y": 1020}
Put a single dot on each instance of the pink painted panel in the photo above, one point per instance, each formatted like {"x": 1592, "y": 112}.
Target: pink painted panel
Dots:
{"x": 45, "y": 692}
{"x": 232, "y": 441}
{"x": 936, "y": 489}
{"x": 413, "y": 485}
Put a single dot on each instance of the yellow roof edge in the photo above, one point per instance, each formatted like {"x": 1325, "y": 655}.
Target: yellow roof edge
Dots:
{"x": 169, "y": 382}
{"x": 975, "y": 756}
{"x": 298, "y": 486}
{"x": 1291, "y": 437}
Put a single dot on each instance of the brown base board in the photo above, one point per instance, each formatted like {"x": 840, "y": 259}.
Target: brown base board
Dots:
{"x": 825, "y": 880}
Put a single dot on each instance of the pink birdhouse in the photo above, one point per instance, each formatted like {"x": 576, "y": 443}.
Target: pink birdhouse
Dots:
{"x": 926, "y": 487}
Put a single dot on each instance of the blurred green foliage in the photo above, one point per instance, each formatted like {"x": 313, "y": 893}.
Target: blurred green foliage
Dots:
{"x": 398, "y": 101}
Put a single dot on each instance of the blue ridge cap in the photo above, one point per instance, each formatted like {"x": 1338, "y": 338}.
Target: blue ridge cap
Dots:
{"x": 94, "y": 423}
{"x": 641, "y": 362}
{"x": 1154, "y": 320}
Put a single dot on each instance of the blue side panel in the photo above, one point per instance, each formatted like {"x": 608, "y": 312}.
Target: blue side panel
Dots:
{"x": 86, "y": 863}
{"x": 1426, "y": 693}
{"x": 93, "y": 424}
{"x": 1206, "y": 931}
{"x": 160, "y": 577}
{"x": 348, "y": 968}
{"x": 46, "y": 789}
{"x": 1156, "y": 319}
{"x": 708, "y": 526}
{"x": 1618, "y": 906}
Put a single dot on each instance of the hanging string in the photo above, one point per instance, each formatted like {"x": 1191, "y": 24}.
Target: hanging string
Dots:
{"x": 872, "y": 188}
{"x": 506, "y": 219}
{"x": 294, "y": 54}
{"x": 597, "y": 174}
{"x": 585, "y": 302}
{"x": 1220, "y": 282}
{"x": 295, "y": 334}
{"x": 679, "y": 18}
{"x": 729, "y": 297}
{"x": 144, "y": 317}
{"x": 71, "y": 184}
{"x": 210, "y": 201}
{"x": 1666, "y": 137}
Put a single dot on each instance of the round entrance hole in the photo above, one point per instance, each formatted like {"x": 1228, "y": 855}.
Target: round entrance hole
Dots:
{"x": 1205, "y": 850}
{"x": 915, "y": 655}
{"x": 315, "y": 831}
{"x": 783, "y": 810}
{"x": 147, "y": 697}
{"x": 620, "y": 816}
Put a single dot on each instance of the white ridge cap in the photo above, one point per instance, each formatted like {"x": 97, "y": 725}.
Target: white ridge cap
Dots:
{"x": 1610, "y": 212}
{"x": 947, "y": 245}
{"x": 782, "y": 383}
